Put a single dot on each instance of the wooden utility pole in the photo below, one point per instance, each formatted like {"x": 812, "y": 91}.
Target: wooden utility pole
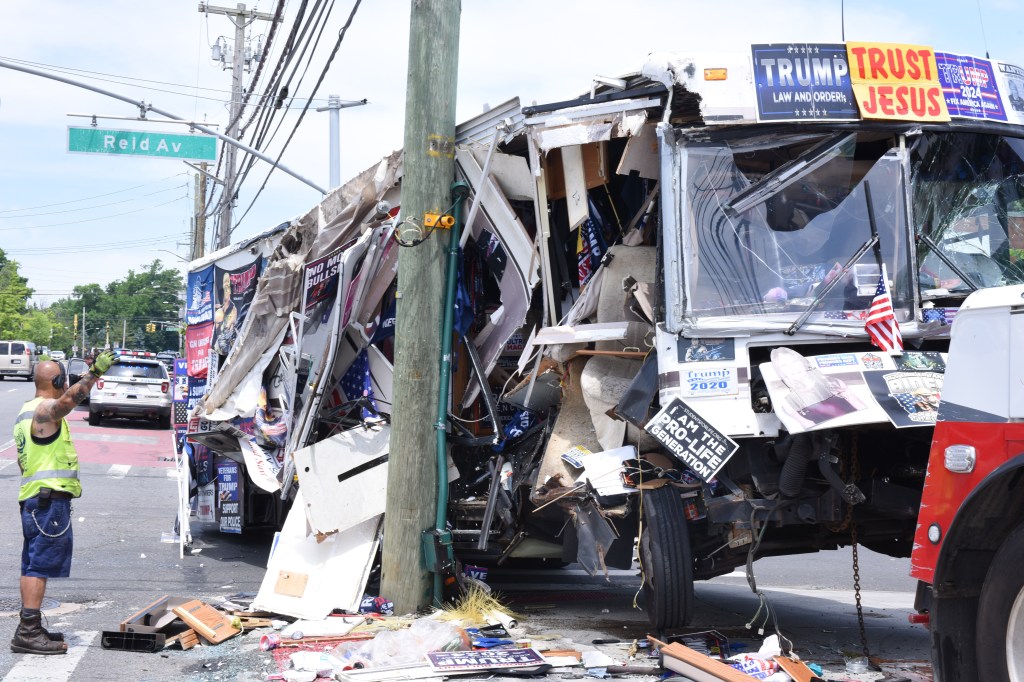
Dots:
{"x": 199, "y": 234}
{"x": 241, "y": 18}
{"x": 429, "y": 169}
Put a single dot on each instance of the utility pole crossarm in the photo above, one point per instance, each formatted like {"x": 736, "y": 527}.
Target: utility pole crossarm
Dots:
{"x": 239, "y": 11}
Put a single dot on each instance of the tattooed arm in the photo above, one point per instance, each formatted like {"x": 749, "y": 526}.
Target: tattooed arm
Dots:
{"x": 50, "y": 412}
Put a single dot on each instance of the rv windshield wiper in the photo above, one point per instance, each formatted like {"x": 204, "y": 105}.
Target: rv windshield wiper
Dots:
{"x": 937, "y": 250}
{"x": 820, "y": 296}
{"x": 785, "y": 174}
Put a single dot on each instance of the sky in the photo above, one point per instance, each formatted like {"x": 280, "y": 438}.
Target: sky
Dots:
{"x": 73, "y": 219}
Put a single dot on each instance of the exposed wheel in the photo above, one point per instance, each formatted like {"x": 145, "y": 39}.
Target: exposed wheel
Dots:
{"x": 1000, "y": 625}
{"x": 666, "y": 560}
{"x": 94, "y": 418}
{"x": 164, "y": 422}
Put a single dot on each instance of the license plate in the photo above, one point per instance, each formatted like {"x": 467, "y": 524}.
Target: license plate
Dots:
{"x": 15, "y": 361}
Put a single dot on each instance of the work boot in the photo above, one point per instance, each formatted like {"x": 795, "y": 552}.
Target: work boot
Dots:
{"x": 31, "y": 638}
{"x": 54, "y": 636}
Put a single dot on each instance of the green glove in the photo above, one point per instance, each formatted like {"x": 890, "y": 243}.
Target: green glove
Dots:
{"x": 102, "y": 363}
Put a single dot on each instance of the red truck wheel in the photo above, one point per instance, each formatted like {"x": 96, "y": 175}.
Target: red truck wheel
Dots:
{"x": 666, "y": 559}
{"x": 1000, "y": 625}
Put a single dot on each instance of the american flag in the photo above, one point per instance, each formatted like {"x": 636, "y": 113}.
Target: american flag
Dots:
{"x": 881, "y": 323}
{"x": 356, "y": 383}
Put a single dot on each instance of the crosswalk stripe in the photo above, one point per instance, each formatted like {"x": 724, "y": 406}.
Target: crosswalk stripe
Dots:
{"x": 30, "y": 668}
{"x": 118, "y": 470}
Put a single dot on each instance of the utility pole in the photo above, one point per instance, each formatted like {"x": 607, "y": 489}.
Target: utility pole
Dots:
{"x": 334, "y": 105}
{"x": 241, "y": 18}
{"x": 124, "y": 333}
{"x": 426, "y": 188}
{"x": 83, "y": 331}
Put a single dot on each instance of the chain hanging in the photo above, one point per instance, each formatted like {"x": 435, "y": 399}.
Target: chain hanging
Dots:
{"x": 855, "y": 473}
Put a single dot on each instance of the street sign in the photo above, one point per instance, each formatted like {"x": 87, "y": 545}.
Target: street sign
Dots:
{"x": 141, "y": 143}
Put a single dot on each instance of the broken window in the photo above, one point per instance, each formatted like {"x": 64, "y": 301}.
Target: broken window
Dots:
{"x": 768, "y": 222}
{"x": 968, "y": 194}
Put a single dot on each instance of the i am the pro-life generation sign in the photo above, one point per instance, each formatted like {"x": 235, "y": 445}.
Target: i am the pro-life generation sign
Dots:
{"x": 696, "y": 443}
{"x": 193, "y": 147}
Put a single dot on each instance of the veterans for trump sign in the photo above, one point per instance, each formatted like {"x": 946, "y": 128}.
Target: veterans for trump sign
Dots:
{"x": 696, "y": 443}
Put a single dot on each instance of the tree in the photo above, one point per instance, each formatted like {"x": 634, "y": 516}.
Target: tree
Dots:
{"x": 126, "y": 305}
{"x": 14, "y": 295}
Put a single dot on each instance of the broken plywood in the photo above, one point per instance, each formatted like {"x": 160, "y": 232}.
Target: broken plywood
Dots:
{"x": 338, "y": 566}
{"x": 208, "y": 622}
{"x": 696, "y": 666}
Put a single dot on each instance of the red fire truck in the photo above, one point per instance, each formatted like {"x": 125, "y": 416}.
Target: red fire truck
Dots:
{"x": 969, "y": 543}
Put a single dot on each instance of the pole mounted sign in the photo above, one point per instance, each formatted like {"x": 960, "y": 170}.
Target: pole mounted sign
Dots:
{"x": 140, "y": 143}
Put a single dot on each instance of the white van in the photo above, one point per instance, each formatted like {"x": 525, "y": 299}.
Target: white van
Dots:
{"x": 18, "y": 358}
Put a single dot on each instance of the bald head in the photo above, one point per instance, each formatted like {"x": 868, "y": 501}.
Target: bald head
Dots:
{"x": 45, "y": 372}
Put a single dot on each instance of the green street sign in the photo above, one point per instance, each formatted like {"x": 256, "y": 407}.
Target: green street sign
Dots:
{"x": 140, "y": 143}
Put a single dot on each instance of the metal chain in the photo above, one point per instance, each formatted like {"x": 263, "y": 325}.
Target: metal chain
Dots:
{"x": 856, "y": 594}
{"x": 855, "y": 473}
{"x": 40, "y": 529}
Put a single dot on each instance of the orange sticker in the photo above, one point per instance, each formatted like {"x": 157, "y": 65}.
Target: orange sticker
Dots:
{"x": 896, "y": 82}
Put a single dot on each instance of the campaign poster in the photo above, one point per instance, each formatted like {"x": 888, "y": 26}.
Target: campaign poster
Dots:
{"x": 322, "y": 287}
{"x": 969, "y": 86}
{"x": 896, "y": 82}
{"x": 199, "y": 297}
{"x": 229, "y": 496}
{"x": 1011, "y": 87}
{"x": 322, "y": 279}
{"x": 822, "y": 391}
{"x": 180, "y": 391}
{"x": 909, "y": 398}
{"x": 197, "y": 349}
{"x": 803, "y": 82}
{"x": 695, "y": 442}
{"x": 233, "y": 291}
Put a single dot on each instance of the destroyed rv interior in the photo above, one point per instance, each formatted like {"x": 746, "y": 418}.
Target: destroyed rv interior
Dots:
{"x": 702, "y": 316}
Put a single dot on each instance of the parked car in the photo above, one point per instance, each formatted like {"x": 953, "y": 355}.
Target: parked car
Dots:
{"x": 57, "y": 355}
{"x": 18, "y": 358}
{"x": 167, "y": 357}
{"x": 133, "y": 387}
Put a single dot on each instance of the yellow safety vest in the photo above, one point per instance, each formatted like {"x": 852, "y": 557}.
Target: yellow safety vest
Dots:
{"x": 52, "y": 466}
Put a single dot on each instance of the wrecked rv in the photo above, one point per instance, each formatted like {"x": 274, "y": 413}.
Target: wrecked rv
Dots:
{"x": 706, "y": 305}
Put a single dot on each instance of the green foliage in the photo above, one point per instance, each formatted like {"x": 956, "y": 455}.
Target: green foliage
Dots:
{"x": 14, "y": 295}
{"x": 124, "y": 307}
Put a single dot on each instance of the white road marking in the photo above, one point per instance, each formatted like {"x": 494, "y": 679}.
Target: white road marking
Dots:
{"x": 4, "y": 463}
{"x": 11, "y": 390}
{"x": 112, "y": 438}
{"x": 6, "y": 445}
{"x": 119, "y": 470}
{"x": 52, "y": 668}
{"x": 172, "y": 473}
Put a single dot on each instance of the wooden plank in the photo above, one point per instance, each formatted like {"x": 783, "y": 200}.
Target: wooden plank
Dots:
{"x": 798, "y": 670}
{"x": 153, "y": 617}
{"x": 682, "y": 659}
{"x": 186, "y": 639}
{"x": 208, "y": 622}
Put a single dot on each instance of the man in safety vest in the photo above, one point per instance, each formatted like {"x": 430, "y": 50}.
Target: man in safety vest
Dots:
{"x": 49, "y": 481}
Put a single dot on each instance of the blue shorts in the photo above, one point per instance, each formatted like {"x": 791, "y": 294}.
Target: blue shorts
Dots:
{"x": 46, "y": 552}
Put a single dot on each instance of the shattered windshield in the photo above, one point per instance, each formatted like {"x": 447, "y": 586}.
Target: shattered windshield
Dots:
{"x": 772, "y": 221}
{"x": 968, "y": 193}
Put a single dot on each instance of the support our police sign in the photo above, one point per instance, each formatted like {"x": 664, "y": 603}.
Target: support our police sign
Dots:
{"x": 696, "y": 443}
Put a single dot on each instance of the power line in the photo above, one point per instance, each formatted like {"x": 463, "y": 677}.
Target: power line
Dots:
{"x": 92, "y": 220}
{"x": 320, "y": 80}
{"x": 126, "y": 80}
{"x": 74, "y": 248}
{"x": 96, "y": 196}
{"x": 89, "y": 208}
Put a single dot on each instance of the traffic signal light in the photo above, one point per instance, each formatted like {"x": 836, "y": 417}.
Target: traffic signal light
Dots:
{"x": 150, "y": 327}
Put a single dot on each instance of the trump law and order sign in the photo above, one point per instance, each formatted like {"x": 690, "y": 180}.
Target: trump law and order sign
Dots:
{"x": 896, "y": 82}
